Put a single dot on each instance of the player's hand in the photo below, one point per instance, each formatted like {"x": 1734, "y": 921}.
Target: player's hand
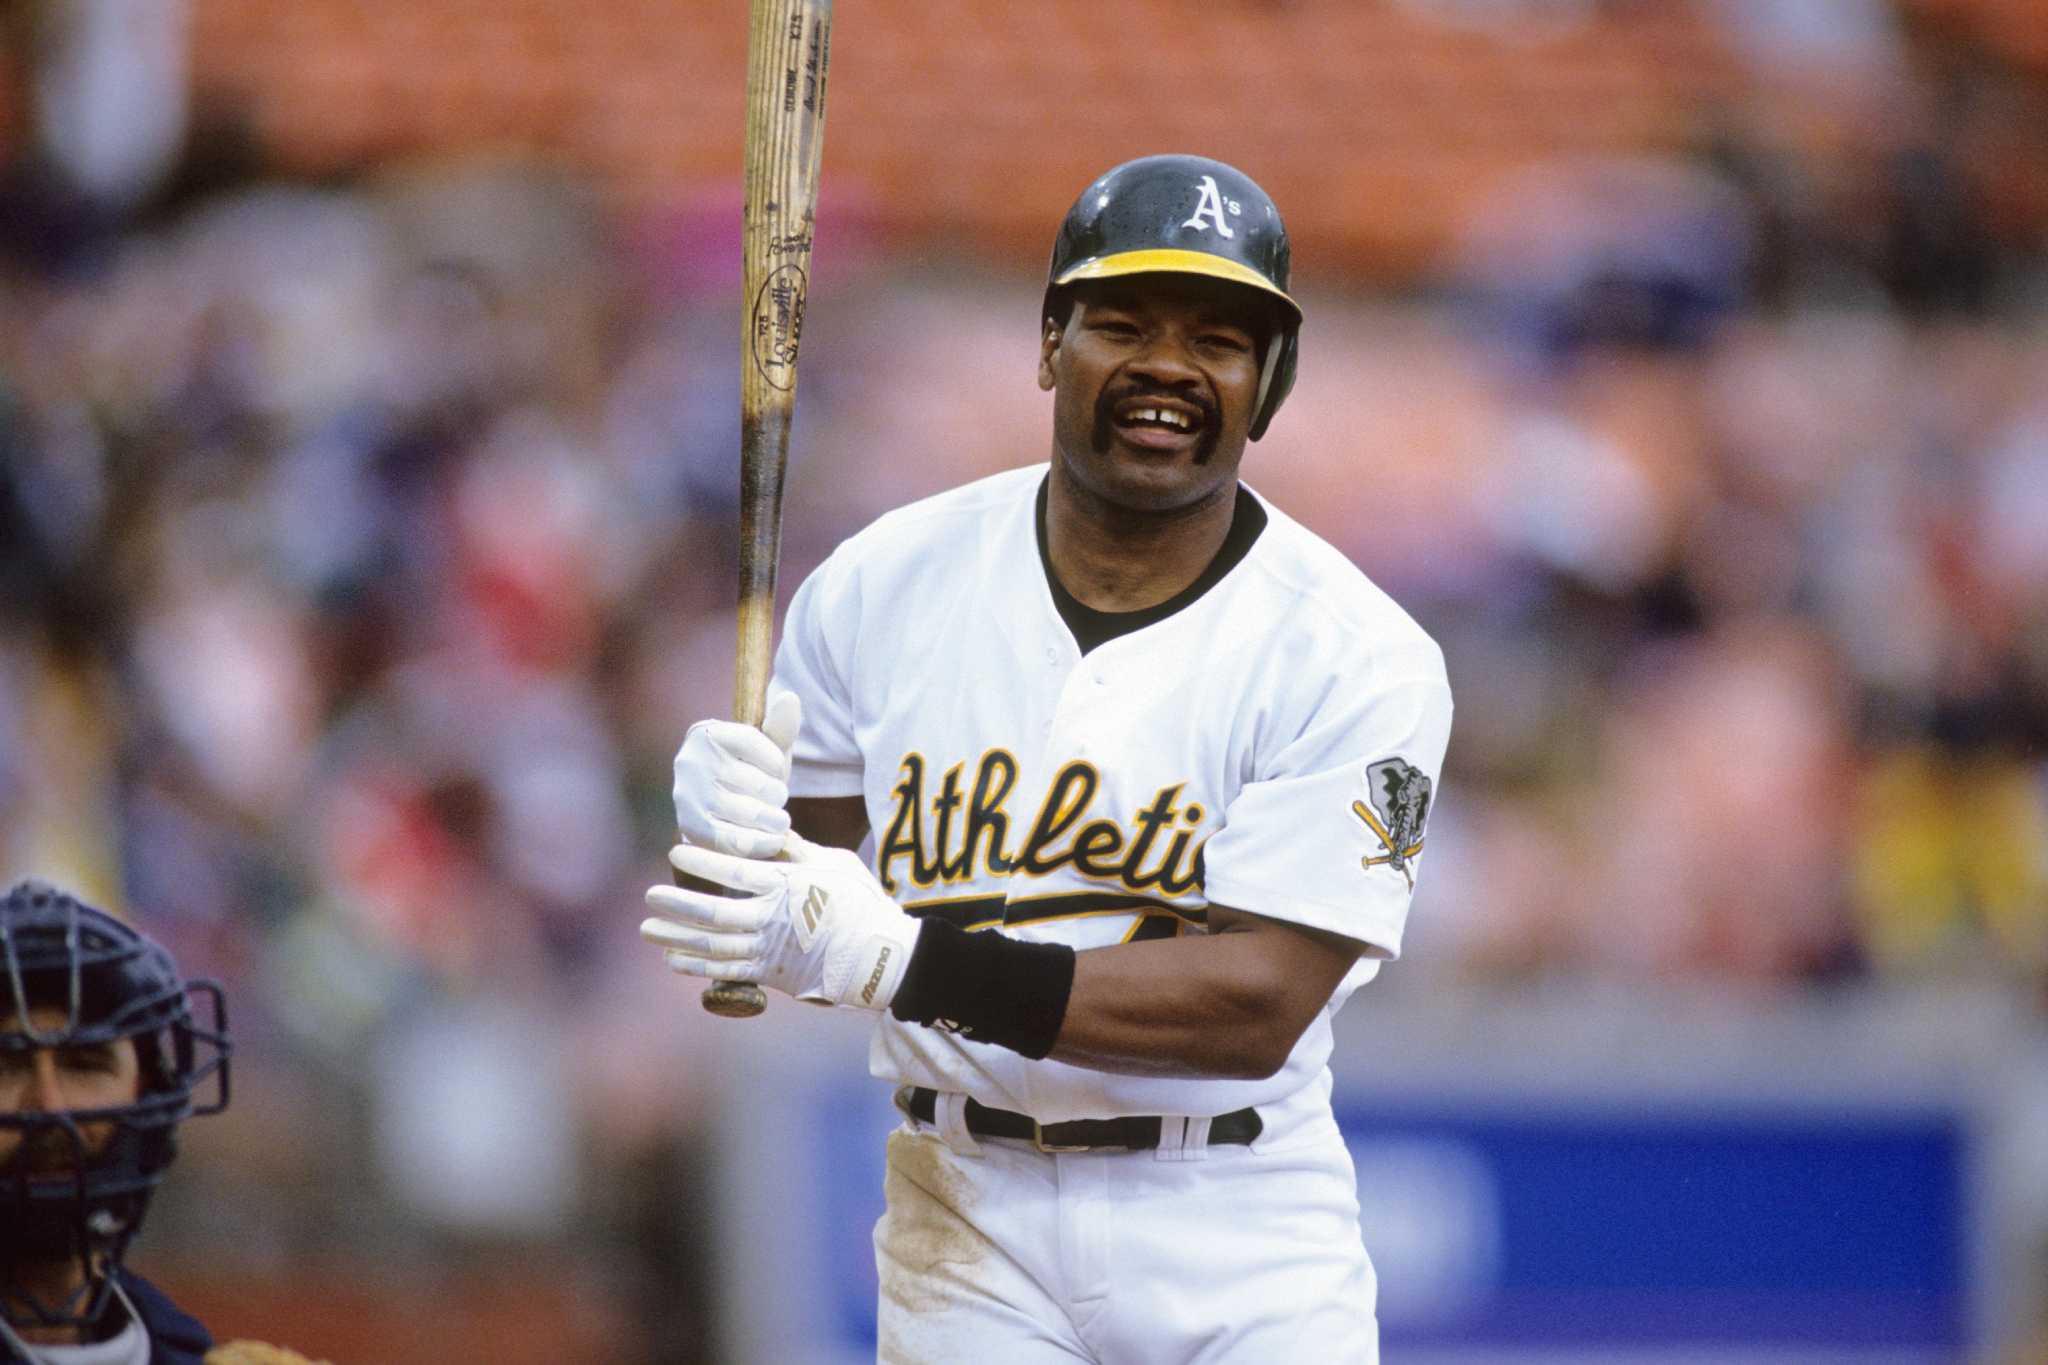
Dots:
{"x": 732, "y": 781}
{"x": 816, "y": 925}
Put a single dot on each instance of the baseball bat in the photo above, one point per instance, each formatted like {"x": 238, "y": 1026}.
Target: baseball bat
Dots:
{"x": 789, "y": 47}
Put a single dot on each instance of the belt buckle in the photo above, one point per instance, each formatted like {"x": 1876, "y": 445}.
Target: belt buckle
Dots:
{"x": 1052, "y": 1148}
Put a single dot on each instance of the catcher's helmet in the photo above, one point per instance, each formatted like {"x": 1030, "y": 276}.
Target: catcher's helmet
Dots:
{"x": 1185, "y": 215}
{"x": 59, "y": 1197}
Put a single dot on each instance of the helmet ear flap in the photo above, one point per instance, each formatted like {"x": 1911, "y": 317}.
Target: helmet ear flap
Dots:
{"x": 1276, "y": 379}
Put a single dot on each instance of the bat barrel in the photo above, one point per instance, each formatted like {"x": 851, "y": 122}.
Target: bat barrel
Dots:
{"x": 789, "y": 51}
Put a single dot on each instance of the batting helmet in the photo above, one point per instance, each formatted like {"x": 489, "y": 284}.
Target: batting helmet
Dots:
{"x": 1185, "y": 215}
{"x": 62, "y": 1194}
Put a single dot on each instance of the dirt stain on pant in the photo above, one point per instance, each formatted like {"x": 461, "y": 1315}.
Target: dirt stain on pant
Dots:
{"x": 927, "y": 1240}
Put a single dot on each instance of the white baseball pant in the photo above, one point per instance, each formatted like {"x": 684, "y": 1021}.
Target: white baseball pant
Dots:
{"x": 994, "y": 1253}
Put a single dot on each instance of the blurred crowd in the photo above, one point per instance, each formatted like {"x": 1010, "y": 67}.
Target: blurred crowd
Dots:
{"x": 365, "y": 549}
{"x": 1751, "y": 585}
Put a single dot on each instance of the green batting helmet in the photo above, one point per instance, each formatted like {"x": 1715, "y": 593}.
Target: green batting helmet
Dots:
{"x": 1185, "y": 215}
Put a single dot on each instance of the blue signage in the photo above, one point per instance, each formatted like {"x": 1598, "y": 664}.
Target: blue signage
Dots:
{"x": 1546, "y": 1227}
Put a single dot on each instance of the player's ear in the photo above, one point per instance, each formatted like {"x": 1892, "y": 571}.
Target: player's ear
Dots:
{"x": 1048, "y": 346}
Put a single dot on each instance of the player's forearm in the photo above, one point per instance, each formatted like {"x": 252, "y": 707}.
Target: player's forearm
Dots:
{"x": 1207, "y": 1006}
{"x": 1230, "y": 1003}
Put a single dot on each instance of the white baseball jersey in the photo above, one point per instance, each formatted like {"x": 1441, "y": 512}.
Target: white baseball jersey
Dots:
{"x": 1272, "y": 746}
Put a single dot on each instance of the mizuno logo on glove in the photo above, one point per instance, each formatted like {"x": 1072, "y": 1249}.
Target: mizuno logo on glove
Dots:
{"x": 867, "y": 992}
{"x": 810, "y": 915}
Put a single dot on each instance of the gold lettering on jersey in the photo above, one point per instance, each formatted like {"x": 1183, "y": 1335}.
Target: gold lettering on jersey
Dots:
{"x": 942, "y": 811}
{"x": 1066, "y": 800}
{"x": 987, "y": 822}
{"x": 1152, "y": 821}
{"x": 984, "y": 834}
{"x": 1160, "y": 850}
{"x": 905, "y": 838}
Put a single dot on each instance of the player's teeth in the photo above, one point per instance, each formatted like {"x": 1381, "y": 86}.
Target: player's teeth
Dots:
{"x": 1147, "y": 415}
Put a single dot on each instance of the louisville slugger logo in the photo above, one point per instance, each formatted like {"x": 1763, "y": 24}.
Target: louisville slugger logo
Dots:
{"x": 777, "y": 327}
{"x": 1398, "y": 813}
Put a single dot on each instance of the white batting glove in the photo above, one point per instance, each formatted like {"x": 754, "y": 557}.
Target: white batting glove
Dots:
{"x": 732, "y": 781}
{"x": 816, "y": 925}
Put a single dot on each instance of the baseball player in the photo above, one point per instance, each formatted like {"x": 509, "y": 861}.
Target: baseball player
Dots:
{"x": 101, "y": 1058}
{"x": 1144, "y": 768}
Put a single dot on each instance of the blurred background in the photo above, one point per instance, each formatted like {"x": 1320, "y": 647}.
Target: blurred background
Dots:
{"x": 368, "y": 435}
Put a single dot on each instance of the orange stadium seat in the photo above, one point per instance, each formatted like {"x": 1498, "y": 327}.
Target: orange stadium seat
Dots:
{"x": 948, "y": 125}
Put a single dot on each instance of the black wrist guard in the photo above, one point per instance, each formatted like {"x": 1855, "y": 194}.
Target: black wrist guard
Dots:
{"x": 987, "y": 987}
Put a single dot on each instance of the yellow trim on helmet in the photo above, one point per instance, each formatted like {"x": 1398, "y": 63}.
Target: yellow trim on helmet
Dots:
{"x": 1172, "y": 261}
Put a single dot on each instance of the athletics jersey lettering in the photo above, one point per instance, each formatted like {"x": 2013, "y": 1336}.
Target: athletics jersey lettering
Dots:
{"x": 1066, "y": 800}
{"x": 922, "y": 836}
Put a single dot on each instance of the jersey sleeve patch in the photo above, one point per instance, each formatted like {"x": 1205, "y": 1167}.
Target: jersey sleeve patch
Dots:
{"x": 1330, "y": 833}
{"x": 1399, "y": 794}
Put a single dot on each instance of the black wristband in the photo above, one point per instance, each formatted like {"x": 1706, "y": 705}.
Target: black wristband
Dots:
{"x": 987, "y": 987}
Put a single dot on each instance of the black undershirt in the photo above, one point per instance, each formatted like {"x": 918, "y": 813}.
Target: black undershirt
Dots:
{"x": 1092, "y": 627}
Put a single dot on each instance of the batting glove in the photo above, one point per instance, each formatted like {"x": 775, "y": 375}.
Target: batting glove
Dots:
{"x": 732, "y": 781}
{"x": 815, "y": 925}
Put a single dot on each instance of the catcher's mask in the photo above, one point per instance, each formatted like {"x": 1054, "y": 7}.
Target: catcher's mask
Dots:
{"x": 59, "y": 1197}
{"x": 1184, "y": 215}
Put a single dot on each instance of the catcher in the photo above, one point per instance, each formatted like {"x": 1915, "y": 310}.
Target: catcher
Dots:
{"x": 101, "y": 1058}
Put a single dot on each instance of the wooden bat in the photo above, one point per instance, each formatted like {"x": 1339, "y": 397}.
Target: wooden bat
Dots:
{"x": 789, "y": 47}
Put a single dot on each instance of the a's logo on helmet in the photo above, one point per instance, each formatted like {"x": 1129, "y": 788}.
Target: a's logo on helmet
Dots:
{"x": 1210, "y": 207}
{"x": 1399, "y": 810}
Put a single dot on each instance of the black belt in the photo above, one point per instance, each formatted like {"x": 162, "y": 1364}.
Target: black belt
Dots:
{"x": 1136, "y": 1134}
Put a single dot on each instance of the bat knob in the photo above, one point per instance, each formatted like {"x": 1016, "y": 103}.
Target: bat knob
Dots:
{"x": 735, "y": 999}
